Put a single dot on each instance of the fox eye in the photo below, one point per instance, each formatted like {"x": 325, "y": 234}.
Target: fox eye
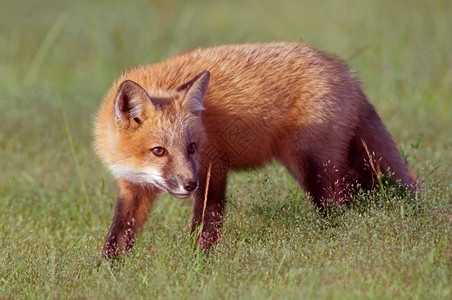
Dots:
{"x": 158, "y": 151}
{"x": 192, "y": 148}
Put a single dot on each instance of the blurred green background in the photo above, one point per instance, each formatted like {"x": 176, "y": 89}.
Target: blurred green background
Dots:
{"x": 57, "y": 60}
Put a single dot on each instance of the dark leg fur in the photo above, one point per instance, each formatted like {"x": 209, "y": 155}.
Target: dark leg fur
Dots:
{"x": 323, "y": 179}
{"x": 211, "y": 221}
{"x": 314, "y": 179}
{"x": 132, "y": 209}
{"x": 332, "y": 175}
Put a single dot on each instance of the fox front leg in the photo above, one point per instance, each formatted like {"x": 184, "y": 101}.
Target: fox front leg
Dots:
{"x": 208, "y": 209}
{"x": 132, "y": 209}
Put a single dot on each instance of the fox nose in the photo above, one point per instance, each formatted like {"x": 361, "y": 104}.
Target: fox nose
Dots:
{"x": 190, "y": 186}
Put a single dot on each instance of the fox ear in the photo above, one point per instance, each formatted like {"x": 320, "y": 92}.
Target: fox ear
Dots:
{"x": 196, "y": 89}
{"x": 131, "y": 104}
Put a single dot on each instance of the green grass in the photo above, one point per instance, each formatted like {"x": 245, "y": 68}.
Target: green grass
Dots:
{"x": 57, "y": 60}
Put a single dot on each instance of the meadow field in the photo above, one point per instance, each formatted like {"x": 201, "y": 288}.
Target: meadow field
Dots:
{"x": 57, "y": 60}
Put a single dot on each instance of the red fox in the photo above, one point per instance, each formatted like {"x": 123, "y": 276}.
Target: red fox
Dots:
{"x": 181, "y": 125}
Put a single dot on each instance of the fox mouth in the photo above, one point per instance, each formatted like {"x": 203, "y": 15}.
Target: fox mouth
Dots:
{"x": 177, "y": 195}
{"x": 181, "y": 195}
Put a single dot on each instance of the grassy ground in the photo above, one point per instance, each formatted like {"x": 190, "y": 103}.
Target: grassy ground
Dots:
{"x": 58, "y": 58}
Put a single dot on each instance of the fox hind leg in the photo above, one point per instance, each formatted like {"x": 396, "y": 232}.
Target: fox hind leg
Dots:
{"x": 324, "y": 179}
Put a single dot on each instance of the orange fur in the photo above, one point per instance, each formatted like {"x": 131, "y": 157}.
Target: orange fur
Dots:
{"x": 242, "y": 106}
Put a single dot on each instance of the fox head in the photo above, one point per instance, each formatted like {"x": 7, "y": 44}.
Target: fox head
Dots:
{"x": 152, "y": 137}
